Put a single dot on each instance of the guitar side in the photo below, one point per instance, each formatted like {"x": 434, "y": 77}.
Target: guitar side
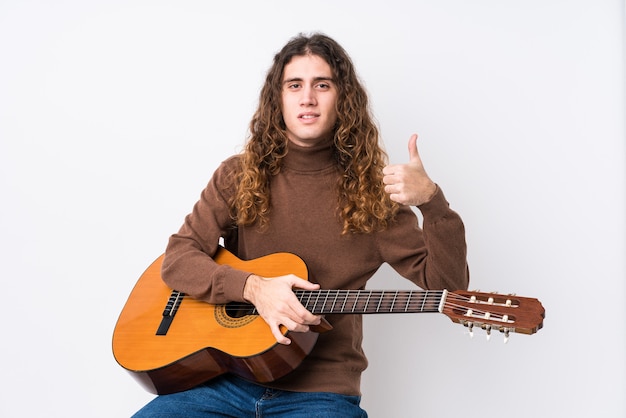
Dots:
{"x": 203, "y": 341}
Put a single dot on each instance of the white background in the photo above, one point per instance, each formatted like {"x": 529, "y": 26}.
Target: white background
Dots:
{"x": 114, "y": 114}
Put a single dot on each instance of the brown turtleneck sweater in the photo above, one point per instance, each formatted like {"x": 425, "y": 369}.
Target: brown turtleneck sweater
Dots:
{"x": 304, "y": 221}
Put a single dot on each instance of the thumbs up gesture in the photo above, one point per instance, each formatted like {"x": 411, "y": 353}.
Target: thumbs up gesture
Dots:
{"x": 408, "y": 184}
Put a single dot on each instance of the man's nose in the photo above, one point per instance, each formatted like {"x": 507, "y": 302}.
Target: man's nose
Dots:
{"x": 308, "y": 96}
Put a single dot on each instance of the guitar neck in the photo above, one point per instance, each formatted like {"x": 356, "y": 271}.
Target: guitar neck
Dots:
{"x": 371, "y": 301}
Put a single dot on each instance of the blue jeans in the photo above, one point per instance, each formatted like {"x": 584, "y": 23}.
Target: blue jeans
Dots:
{"x": 230, "y": 396}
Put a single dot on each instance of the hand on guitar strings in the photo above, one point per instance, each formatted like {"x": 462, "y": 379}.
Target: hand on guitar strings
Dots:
{"x": 278, "y": 305}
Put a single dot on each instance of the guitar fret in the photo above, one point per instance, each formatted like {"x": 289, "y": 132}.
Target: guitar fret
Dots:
{"x": 325, "y": 300}
{"x": 393, "y": 301}
{"x": 424, "y": 301}
{"x": 317, "y": 298}
{"x": 382, "y": 295}
{"x": 332, "y": 309}
{"x": 344, "y": 301}
{"x": 367, "y": 301}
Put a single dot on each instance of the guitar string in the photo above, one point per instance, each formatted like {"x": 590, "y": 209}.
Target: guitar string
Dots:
{"x": 430, "y": 298}
{"x": 353, "y": 296}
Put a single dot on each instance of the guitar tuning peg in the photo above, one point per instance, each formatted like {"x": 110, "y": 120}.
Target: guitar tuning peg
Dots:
{"x": 506, "y": 335}
{"x": 470, "y": 329}
{"x": 488, "y": 329}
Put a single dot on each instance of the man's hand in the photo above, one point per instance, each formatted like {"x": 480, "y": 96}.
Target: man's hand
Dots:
{"x": 408, "y": 184}
{"x": 278, "y": 305}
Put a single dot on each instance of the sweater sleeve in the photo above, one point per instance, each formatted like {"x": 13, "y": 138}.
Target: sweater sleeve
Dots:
{"x": 434, "y": 257}
{"x": 188, "y": 265}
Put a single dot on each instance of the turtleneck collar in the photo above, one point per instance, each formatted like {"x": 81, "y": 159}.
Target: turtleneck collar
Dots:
{"x": 313, "y": 158}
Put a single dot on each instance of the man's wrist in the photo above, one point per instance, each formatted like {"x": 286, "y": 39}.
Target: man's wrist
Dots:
{"x": 250, "y": 287}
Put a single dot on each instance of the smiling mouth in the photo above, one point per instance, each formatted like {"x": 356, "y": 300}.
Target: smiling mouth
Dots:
{"x": 308, "y": 116}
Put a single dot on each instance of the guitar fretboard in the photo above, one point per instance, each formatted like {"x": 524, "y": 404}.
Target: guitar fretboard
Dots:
{"x": 371, "y": 301}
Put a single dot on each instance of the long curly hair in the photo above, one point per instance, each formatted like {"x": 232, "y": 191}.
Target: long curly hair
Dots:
{"x": 362, "y": 202}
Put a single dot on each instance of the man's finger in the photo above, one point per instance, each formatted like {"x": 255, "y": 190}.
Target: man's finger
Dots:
{"x": 413, "y": 153}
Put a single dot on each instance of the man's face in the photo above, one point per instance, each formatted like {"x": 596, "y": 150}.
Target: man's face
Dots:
{"x": 309, "y": 97}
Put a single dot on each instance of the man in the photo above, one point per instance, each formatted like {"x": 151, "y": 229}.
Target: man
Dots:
{"x": 311, "y": 181}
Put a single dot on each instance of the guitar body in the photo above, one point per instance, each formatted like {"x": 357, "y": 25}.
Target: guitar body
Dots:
{"x": 203, "y": 341}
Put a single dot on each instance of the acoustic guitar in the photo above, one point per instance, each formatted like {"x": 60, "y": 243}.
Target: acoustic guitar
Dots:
{"x": 171, "y": 342}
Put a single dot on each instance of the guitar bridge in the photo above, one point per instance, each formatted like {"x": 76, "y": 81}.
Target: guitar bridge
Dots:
{"x": 171, "y": 308}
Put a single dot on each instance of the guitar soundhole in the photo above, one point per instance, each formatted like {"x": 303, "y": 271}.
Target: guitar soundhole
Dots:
{"x": 234, "y": 315}
{"x": 238, "y": 310}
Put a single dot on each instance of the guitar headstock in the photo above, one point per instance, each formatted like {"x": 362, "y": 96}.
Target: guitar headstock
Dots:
{"x": 492, "y": 311}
